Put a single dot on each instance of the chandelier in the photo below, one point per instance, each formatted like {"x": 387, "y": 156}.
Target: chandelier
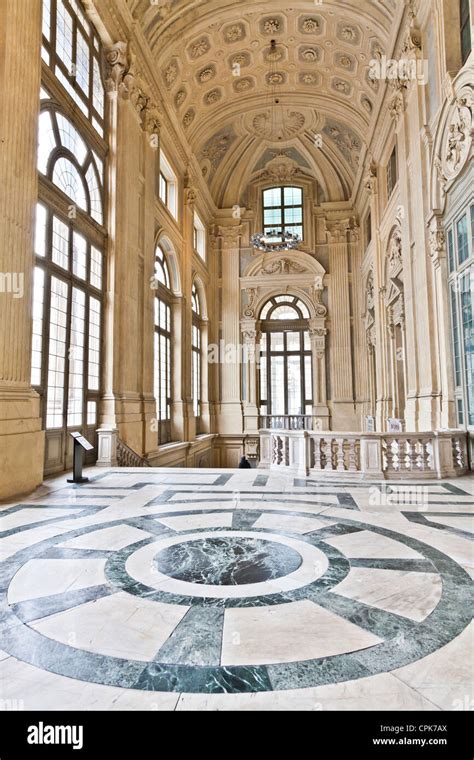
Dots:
{"x": 263, "y": 240}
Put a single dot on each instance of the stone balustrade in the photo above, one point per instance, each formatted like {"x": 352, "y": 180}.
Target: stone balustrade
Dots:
{"x": 388, "y": 456}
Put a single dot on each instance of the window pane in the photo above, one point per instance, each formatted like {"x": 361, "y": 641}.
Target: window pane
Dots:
{"x": 46, "y": 141}
{"x": 60, "y": 252}
{"x": 285, "y": 312}
{"x": 272, "y": 197}
{"x": 64, "y": 27}
{"x": 40, "y": 230}
{"x": 37, "y": 337}
{"x": 308, "y": 379}
{"x": 295, "y": 405}
{"x": 277, "y": 381}
{"x": 276, "y": 341}
{"x": 451, "y": 259}
{"x": 293, "y": 215}
{"x": 463, "y": 243}
{"x": 79, "y": 256}
{"x": 47, "y": 19}
{"x": 96, "y": 268}
{"x": 82, "y": 62}
{"x": 76, "y": 358}
{"x": 272, "y": 217}
{"x": 98, "y": 91}
{"x": 467, "y": 292}
{"x": 303, "y": 308}
{"x": 56, "y": 353}
{"x": 94, "y": 343}
{"x": 91, "y": 412}
{"x": 293, "y": 341}
{"x": 71, "y": 139}
{"x": 68, "y": 179}
{"x": 293, "y": 196}
{"x": 94, "y": 194}
{"x": 456, "y": 343}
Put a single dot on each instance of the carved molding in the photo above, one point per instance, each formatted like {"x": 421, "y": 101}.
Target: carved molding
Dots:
{"x": 282, "y": 266}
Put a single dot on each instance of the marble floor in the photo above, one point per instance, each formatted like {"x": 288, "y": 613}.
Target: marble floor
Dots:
{"x": 159, "y": 589}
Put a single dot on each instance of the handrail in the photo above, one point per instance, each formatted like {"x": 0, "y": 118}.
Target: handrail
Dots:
{"x": 127, "y": 457}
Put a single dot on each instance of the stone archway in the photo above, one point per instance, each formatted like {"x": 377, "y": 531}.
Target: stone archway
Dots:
{"x": 293, "y": 273}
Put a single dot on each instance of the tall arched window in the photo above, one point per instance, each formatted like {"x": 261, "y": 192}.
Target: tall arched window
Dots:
{"x": 70, "y": 236}
{"x": 196, "y": 352}
{"x": 162, "y": 346}
{"x": 286, "y": 386}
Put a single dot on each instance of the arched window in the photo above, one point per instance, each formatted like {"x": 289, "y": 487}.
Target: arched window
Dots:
{"x": 286, "y": 386}
{"x": 196, "y": 351}
{"x": 65, "y": 159}
{"x": 162, "y": 346}
{"x": 69, "y": 273}
{"x": 283, "y": 212}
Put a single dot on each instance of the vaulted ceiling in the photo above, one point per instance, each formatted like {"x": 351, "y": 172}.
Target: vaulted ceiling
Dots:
{"x": 221, "y": 76}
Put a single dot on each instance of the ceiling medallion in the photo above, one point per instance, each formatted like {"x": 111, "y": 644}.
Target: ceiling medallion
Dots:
{"x": 261, "y": 241}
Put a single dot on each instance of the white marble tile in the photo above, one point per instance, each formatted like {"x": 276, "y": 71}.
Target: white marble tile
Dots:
{"x": 192, "y": 522}
{"x": 36, "y": 689}
{"x": 380, "y": 692}
{"x": 110, "y": 539}
{"x": 42, "y": 577}
{"x": 19, "y": 541}
{"x": 120, "y": 625}
{"x": 288, "y": 632}
{"x": 446, "y": 676}
{"x": 462, "y": 523}
{"x": 367, "y": 544}
{"x": 292, "y": 524}
{"x": 410, "y": 594}
{"x": 34, "y": 515}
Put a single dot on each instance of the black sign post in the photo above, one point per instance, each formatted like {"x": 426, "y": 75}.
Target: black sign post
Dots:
{"x": 80, "y": 445}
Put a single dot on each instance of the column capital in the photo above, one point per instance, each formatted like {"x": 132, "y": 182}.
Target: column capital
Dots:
{"x": 337, "y": 230}
{"x": 230, "y": 236}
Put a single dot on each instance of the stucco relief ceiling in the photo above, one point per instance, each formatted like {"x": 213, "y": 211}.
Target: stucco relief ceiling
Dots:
{"x": 219, "y": 73}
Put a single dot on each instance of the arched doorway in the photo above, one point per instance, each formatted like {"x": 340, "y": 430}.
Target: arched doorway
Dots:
{"x": 286, "y": 371}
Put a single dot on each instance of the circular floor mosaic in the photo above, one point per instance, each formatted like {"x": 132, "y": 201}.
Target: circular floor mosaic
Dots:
{"x": 196, "y": 599}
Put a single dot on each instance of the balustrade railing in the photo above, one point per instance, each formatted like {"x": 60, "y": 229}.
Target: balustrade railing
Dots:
{"x": 436, "y": 454}
{"x": 286, "y": 421}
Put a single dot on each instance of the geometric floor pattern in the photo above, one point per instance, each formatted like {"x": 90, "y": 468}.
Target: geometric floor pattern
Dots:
{"x": 218, "y": 589}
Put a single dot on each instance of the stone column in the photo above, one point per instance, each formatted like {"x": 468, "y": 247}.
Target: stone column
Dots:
{"x": 317, "y": 335}
{"x": 177, "y": 404}
{"x": 205, "y": 426}
{"x": 151, "y": 145}
{"x": 251, "y": 350}
{"x": 342, "y": 391}
{"x": 230, "y": 416}
{"x": 21, "y": 438}
{"x": 189, "y": 420}
{"x": 130, "y": 114}
{"x": 437, "y": 243}
{"x": 361, "y": 389}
